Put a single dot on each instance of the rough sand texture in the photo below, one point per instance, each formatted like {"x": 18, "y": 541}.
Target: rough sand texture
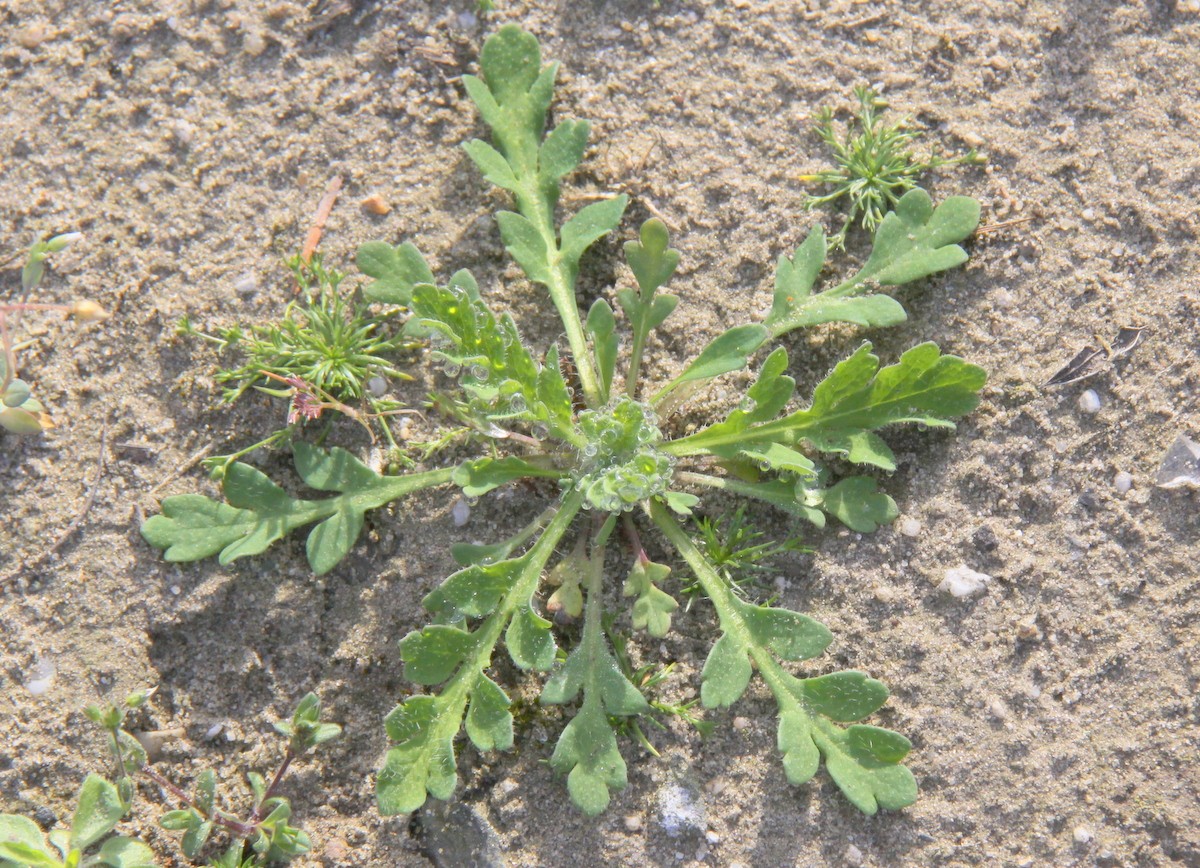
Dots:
{"x": 190, "y": 142}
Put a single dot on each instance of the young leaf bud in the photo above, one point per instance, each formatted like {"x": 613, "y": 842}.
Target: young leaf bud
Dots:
{"x": 59, "y": 242}
{"x": 16, "y": 394}
{"x": 20, "y": 422}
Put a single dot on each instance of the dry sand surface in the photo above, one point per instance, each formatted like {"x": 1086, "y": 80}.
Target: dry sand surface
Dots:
{"x": 1054, "y": 716}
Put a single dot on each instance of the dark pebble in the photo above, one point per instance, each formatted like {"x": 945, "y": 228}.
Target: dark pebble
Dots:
{"x": 45, "y": 817}
{"x": 985, "y": 539}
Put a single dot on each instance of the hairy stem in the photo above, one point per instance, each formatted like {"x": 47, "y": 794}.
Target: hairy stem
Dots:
{"x": 561, "y": 284}
{"x": 633, "y": 378}
{"x": 256, "y": 815}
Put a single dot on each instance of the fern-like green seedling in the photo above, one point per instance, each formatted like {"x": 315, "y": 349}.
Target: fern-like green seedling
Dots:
{"x": 609, "y": 445}
{"x": 875, "y": 166}
{"x": 328, "y": 351}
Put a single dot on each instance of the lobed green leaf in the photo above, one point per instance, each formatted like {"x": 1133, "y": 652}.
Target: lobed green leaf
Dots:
{"x": 259, "y": 512}
{"x": 653, "y": 607}
{"x": 562, "y": 150}
{"x": 856, "y": 503}
{"x": 726, "y": 673}
{"x": 481, "y": 475}
{"x": 491, "y": 164}
{"x": 529, "y": 640}
{"x": 844, "y": 696}
{"x": 729, "y": 351}
{"x": 862, "y": 760}
{"x": 587, "y": 751}
{"x": 857, "y": 398}
{"x": 790, "y": 635}
{"x": 917, "y": 240}
{"x": 489, "y": 723}
{"x": 396, "y": 270}
{"x": 421, "y": 761}
{"x": 493, "y": 366}
{"x": 433, "y": 654}
{"x": 914, "y": 241}
{"x": 591, "y": 223}
{"x": 526, "y": 245}
{"x": 472, "y": 592}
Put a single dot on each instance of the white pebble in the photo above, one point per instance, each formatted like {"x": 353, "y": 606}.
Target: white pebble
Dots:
{"x": 998, "y": 710}
{"x": 853, "y": 855}
{"x": 1088, "y": 214}
{"x": 254, "y": 43}
{"x": 633, "y": 823}
{"x": 910, "y": 527}
{"x": 213, "y": 731}
{"x": 175, "y": 590}
{"x": 1083, "y": 835}
{"x": 41, "y": 676}
{"x": 460, "y": 512}
{"x": 377, "y": 386}
{"x": 741, "y": 723}
{"x": 963, "y": 582}
{"x": 712, "y": 838}
{"x": 247, "y": 284}
{"x": 1089, "y": 402}
{"x": 1123, "y": 481}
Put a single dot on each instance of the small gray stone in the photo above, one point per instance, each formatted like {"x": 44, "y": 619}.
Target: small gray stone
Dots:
{"x": 457, "y": 836}
{"x": 45, "y": 817}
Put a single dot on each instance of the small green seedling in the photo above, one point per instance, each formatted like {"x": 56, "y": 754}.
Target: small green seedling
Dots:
{"x": 616, "y": 460}
{"x": 875, "y": 166}
{"x": 739, "y": 552}
{"x": 99, "y": 807}
{"x": 20, "y": 412}
{"x": 329, "y": 352}
{"x": 265, "y": 835}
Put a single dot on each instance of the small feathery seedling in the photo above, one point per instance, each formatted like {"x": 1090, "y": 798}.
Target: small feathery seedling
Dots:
{"x": 329, "y": 351}
{"x": 875, "y": 166}
{"x": 740, "y": 552}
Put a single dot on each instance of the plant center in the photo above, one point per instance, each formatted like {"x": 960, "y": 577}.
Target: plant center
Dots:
{"x": 621, "y": 464}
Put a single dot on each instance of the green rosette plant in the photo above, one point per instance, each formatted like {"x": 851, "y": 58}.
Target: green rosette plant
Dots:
{"x": 606, "y": 443}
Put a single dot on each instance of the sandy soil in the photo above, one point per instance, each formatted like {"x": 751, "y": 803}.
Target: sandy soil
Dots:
{"x": 1054, "y": 717}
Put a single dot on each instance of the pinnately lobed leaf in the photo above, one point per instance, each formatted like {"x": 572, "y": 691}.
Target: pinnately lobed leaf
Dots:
{"x": 855, "y": 400}
{"x": 259, "y": 512}
{"x": 863, "y": 761}
{"x": 913, "y": 242}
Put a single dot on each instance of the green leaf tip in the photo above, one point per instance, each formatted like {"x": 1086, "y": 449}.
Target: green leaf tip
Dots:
{"x": 396, "y": 271}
